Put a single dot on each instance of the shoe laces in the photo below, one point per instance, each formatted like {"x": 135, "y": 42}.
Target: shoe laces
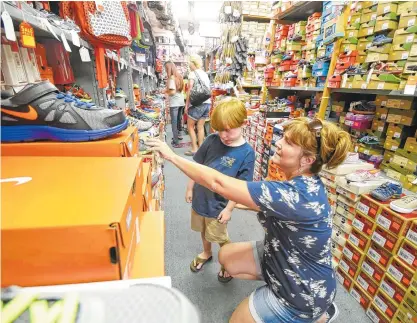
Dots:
{"x": 410, "y": 199}
{"x": 386, "y": 187}
{"x": 78, "y": 103}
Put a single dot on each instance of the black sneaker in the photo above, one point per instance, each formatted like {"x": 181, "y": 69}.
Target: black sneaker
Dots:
{"x": 332, "y": 313}
{"x": 40, "y": 112}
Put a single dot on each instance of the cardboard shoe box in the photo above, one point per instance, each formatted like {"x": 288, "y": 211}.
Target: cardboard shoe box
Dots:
{"x": 400, "y": 272}
{"x": 344, "y": 279}
{"x": 392, "y": 289}
{"x": 408, "y": 253}
{"x": 379, "y": 255}
{"x": 69, "y": 219}
{"x": 123, "y": 144}
{"x": 367, "y": 284}
{"x": 372, "y": 270}
{"x": 360, "y": 296}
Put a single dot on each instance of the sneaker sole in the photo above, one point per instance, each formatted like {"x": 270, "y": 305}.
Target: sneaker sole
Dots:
{"x": 401, "y": 209}
{"x": 34, "y": 133}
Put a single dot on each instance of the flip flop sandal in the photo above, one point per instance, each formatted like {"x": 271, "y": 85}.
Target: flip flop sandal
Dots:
{"x": 223, "y": 279}
{"x": 197, "y": 261}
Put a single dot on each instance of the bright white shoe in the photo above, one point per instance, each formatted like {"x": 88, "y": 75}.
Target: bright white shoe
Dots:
{"x": 407, "y": 204}
{"x": 364, "y": 175}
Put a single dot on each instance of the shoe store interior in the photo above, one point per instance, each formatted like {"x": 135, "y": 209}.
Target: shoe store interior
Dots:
{"x": 208, "y": 161}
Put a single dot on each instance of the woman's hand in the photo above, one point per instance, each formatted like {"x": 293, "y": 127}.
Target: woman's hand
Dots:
{"x": 161, "y": 147}
{"x": 224, "y": 216}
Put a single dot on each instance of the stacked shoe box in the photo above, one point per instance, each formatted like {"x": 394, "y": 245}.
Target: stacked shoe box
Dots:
{"x": 256, "y": 8}
{"x": 254, "y": 32}
{"x": 255, "y": 122}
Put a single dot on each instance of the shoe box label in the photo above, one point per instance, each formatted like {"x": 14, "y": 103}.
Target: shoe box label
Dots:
{"x": 336, "y": 250}
{"x": 343, "y": 223}
{"x": 368, "y": 207}
{"x": 339, "y": 236}
{"x": 372, "y": 269}
{"x": 346, "y": 210}
{"x": 385, "y": 239}
{"x": 363, "y": 224}
{"x": 412, "y": 233}
{"x": 348, "y": 267}
{"x": 408, "y": 254}
{"x": 410, "y": 298}
{"x": 360, "y": 296}
{"x": 343, "y": 278}
{"x": 379, "y": 255}
{"x": 375, "y": 315}
{"x": 400, "y": 272}
{"x": 352, "y": 253}
{"x": 385, "y": 304}
{"x": 366, "y": 283}
{"x": 358, "y": 240}
{"x": 393, "y": 222}
{"x": 351, "y": 196}
{"x": 392, "y": 289}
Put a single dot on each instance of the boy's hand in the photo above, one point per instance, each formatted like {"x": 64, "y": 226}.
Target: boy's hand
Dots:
{"x": 189, "y": 196}
{"x": 161, "y": 147}
{"x": 225, "y": 216}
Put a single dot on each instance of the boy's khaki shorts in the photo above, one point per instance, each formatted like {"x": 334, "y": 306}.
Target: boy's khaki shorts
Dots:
{"x": 213, "y": 230}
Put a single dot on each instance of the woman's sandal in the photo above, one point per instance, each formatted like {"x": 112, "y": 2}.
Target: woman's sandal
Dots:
{"x": 199, "y": 261}
{"x": 223, "y": 279}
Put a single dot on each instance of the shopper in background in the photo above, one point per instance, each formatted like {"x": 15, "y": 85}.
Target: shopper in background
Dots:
{"x": 227, "y": 152}
{"x": 295, "y": 257}
{"x": 197, "y": 115}
{"x": 174, "y": 89}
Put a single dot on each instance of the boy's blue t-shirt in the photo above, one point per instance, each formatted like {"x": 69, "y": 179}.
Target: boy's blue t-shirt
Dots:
{"x": 297, "y": 261}
{"x": 236, "y": 162}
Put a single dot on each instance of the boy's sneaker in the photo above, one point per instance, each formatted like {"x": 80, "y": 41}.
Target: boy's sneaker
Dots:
{"x": 387, "y": 191}
{"x": 369, "y": 140}
{"x": 407, "y": 204}
{"x": 363, "y": 175}
{"x": 332, "y": 313}
{"x": 381, "y": 40}
{"x": 363, "y": 107}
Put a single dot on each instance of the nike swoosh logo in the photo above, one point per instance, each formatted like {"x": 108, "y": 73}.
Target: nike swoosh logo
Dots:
{"x": 29, "y": 115}
{"x": 18, "y": 180}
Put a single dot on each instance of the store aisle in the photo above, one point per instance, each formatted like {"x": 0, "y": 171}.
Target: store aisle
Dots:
{"x": 216, "y": 301}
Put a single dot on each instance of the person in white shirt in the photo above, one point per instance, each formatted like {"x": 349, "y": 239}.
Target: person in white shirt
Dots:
{"x": 197, "y": 115}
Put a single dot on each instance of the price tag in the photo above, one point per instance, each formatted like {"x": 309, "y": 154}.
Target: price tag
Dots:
{"x": 379, "y": 239}
{"x": 412, "y": 236}
{"x": 355, "y": 295}
{"x": 380, "y": 129}
{"x": 344, "y": 266}
{"x": 394, "y": 148}
{"x": 372, "y": 316}
{"x": 358, "y": 224}
{"x": 368, "y": 45}
{"x": 350, "y": 85}
{"x": 8, "y": 26}
{"x": 373, "y": 17}
{"x": 363, "y": 208}
{"x": 384, "y": 222}
{"x": 409, "y": 39}
{"x": 370, "y": 31}
{"x": 368, "y": 269}
{"x": 50, "y": 28}
{"x": 404, "y": 55}
{"x": 380, "y": 86}
{"x": 394, "y": 272}
{"x": 27, "y": 35}
{"x": 85, "y": 55}
{"x": 348, "y": 253}
{"x": 384, "y": 26}
{"x": 366, "y": 152}
{"x": 380, "y": 303}
{"x": 354, "y": 240}
{"x": 411, "y": 22}
{"x": 351, "y": 34}
{"x": 75, "y": 38}
{"x": 363, "y": 86}
{"x": 374, "y": 255}
{"x": 362, "y": 283}
{"x": 397, "y": 135}
{"x": 406, "y": 256}
{"x": 410, "y": 87}
{"x": 387, "y": 9}
{"x": 340, "y": 278}
{"x": 65, "y": 42}
{"x": 387, "y": 289}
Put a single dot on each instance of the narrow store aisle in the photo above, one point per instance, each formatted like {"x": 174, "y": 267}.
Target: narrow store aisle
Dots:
{"x": 215, "y": 300}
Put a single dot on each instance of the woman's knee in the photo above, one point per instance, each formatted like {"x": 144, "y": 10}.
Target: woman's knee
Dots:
{"x": 225, "y": 253}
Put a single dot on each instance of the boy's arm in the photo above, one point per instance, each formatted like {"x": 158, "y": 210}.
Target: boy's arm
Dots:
{"x": 230, "y": 206}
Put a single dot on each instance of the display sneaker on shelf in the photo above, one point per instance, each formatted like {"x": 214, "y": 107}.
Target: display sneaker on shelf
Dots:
{"x": 363, "y": 107}
{"x": 406, "y": 204}
{"x": 387, "y": 191}
{"x": 354, "y": 70}
{"x": 381, "y": 40}
{"x": 332, "y": 313}
{"x": 141, "y": 125}
{"x": 369, "y": 140}
{"x": 120, "y": 93}
{"x": 364, "y": 175}
{"x": 352, "y": 158}
{"x": 40, "y": 112}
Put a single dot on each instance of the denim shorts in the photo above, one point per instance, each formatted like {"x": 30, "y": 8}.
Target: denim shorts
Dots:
{"x": 199, "y": 112}
{"x": 264, "y": 305}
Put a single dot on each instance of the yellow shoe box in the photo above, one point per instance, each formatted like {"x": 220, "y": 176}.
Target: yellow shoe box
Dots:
{"x": 397, "y": 55}
{"x": 365, "y": 31}
{"x": 376, "y": 57}
{"x": 360, "y": 296}
{"x": 385, "y": 25}
{"x": 383, "y": 49}
{"x": 403, "y": 103}
{"x": 405, "y": 313}
{"x": 411, "y": 61}
{"x": 402, "y": 37}
{"x": 411, "y": 144}
{"x": 408, "y": 20}
{"x": 384, "y": 8}
{"x": 406, "y": 6}
{"x": 404, "y": 117}
{"x": 367, "y": 17}
{"x": 363, "y": 45}
{"x": 348, "y": 47}
{"x": 375, "y": 84}
{"x": 366, "y": 4}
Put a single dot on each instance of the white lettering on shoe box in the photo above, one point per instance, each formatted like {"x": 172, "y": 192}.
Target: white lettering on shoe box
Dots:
{"x": 363, "y": 208}
{"x": 354, "y": 240}
{"x": 374, "y": 255}
{"x": 362, "y": 283}
{"x": 394, "y": 272}
{"x": 380, "y": 303}
{"x": 387, "y": 289}
{"x": 355, "y": 295}
{"x": 412, "y": 236}
{"x": 383, "y": 221}
{"x": 358, "y": 224}
{"x": 379, "y": 239}
{"x": 368, "y": 269}
{"x": 406, "y": 256}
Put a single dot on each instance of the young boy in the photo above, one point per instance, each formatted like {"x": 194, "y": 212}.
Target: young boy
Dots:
{"x": 225, "y": 151}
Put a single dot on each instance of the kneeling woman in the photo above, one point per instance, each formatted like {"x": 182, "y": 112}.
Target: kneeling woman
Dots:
{"x": 295, "y": 258}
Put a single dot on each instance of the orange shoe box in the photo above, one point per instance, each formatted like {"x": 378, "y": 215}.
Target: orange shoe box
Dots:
{"x": 149, "y": 260}
{"x": 360, "y": 296}
{"x": 367, "y": 284}
{"x": 75, "y": 220}
{"x": 343, "y": 278}
{"x": 123, "y": 144}
{"x": 400, "y": 272}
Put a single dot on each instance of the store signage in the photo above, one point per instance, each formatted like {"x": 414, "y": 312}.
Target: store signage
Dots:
{"x": 27, "y": 35}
